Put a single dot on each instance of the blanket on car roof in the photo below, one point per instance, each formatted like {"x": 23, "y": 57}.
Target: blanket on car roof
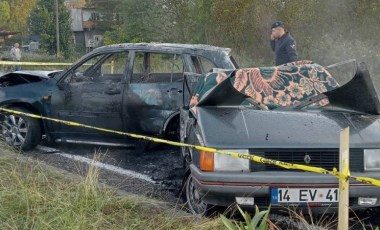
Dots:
{"x": 284, "y": 85}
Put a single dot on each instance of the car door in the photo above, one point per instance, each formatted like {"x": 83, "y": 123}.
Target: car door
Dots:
{"x": 155, "y": 91}
{"x": 91, "y": 94}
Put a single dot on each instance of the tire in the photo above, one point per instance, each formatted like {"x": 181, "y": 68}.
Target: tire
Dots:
{"x": 194, "y": 201}
{"x": 21, "y": 131}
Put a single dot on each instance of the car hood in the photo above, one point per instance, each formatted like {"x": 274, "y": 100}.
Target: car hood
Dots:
{"x": 239, "y": 127}
{"x": 26, "y": 77}
{"x": 36, "y": 73}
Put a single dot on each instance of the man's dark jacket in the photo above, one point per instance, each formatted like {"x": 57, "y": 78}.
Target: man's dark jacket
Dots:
{"x": 285, "y": 49}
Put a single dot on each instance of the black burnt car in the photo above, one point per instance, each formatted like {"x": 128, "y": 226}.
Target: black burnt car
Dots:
{"x": 291, "y": 113}
{"x": 126, "y": 87}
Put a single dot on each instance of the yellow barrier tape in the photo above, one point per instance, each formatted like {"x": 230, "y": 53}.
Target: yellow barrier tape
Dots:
{"x": 346, "y": 171}
{"x": 34, "y": 63}
{"x": 346, "y": 175}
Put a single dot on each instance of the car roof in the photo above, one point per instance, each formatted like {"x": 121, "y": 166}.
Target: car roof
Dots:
{"x": 187, "y": 48}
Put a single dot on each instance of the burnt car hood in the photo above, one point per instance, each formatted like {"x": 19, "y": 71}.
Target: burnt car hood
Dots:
{"x": 236, "y": 128}
{"x": 26, "y": 77}
{"x": 35, "y": 73}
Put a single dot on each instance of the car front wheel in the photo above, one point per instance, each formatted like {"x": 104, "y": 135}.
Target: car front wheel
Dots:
{"x": 194, "y": 200}
{"x": 21, "y": 131}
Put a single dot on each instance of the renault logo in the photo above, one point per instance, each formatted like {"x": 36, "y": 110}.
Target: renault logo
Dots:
{"x": 307, "y": 159}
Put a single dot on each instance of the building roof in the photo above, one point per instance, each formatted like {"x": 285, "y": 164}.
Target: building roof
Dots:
{"x": 88, "y": 24}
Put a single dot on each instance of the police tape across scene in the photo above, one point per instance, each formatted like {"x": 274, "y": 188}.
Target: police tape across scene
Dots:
{"x": 250, "y": 157}
{"x": 34, "y": 63}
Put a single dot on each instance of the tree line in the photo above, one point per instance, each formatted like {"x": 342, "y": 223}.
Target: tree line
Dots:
{"x": 326, "y": 31}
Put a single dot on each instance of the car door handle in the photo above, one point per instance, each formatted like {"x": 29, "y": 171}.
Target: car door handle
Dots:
{"x": 174, "y": 89}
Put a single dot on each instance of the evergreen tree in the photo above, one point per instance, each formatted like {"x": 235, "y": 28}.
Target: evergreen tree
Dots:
{"x": 42, "y": 22}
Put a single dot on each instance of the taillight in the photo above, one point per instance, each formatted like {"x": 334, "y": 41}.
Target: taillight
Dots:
{"x": 206, "y": 162}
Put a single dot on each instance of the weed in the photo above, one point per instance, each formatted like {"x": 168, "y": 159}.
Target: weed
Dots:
{"x": 258, "y": 221}
{"x": 34, "y": 196}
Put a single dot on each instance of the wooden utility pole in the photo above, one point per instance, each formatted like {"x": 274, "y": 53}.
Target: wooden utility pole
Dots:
{"x": 57, "y": 26}
{"x": 344, "y": 185}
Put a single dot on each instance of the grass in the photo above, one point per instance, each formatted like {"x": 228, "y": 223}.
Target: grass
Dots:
{"x": 36, "y": 196}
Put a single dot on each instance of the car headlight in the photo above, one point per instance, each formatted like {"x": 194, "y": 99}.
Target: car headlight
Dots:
{"x": 224, "y": 163}
{"x": 210, "y": 162}
{"x": 372, "y": 159}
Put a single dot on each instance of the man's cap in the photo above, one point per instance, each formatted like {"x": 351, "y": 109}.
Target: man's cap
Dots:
{"x": 278, "y": 24}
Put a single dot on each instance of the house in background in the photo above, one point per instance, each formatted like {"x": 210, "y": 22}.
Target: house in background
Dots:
{"x": 4, "y": 34}
{"x": 84, "y": 29}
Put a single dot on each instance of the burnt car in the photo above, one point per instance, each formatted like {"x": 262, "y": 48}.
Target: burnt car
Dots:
{"x": 291, "y": 113}
{"x": 126, "y": 87}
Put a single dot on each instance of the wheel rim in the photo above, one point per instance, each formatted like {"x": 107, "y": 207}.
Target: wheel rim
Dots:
{"x": 196, "y": 204}
{"x": 14, "y": 130}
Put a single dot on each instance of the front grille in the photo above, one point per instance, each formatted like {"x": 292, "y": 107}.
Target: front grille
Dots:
{"x": 327, "y": 159}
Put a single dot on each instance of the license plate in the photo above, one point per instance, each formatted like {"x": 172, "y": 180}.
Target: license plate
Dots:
{"x": 304, "y": 195}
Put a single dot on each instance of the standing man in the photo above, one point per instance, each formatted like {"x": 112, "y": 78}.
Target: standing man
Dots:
{"x": 16, "y": 55}
{"x": 282, "y": 44}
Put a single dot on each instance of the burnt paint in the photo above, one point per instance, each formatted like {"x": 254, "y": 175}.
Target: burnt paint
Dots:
{"x": 92, "y": 103}
{"x": 12, "y": 79}
{"x": 115, "y": 105}
{"x": 151, "y": 104}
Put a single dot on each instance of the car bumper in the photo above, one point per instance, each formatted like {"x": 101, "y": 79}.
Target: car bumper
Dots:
{"x": 222, "y": 188}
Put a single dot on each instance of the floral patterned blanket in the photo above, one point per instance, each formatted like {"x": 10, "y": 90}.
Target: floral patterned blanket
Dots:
{"x": 272, "y": 87}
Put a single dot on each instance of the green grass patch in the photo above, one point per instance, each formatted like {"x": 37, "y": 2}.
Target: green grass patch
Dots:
{"x": 36, "y": 196}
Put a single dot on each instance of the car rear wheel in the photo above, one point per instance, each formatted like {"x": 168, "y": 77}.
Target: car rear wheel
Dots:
{"x": 21, "y": 131}
{"x": 194, "y": 200}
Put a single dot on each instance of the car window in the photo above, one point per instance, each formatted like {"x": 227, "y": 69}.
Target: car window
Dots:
{"x": 202, "y": 64}
{"x": 110, "y": 66}
{"x": 207, "y": 65}
{"x": 89, "y": 64}
{"x": 138, "y": 64}
{"x": 114, "y": 65}
{"x": 165, "y": 63}
{"x": 157, "y": 67}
